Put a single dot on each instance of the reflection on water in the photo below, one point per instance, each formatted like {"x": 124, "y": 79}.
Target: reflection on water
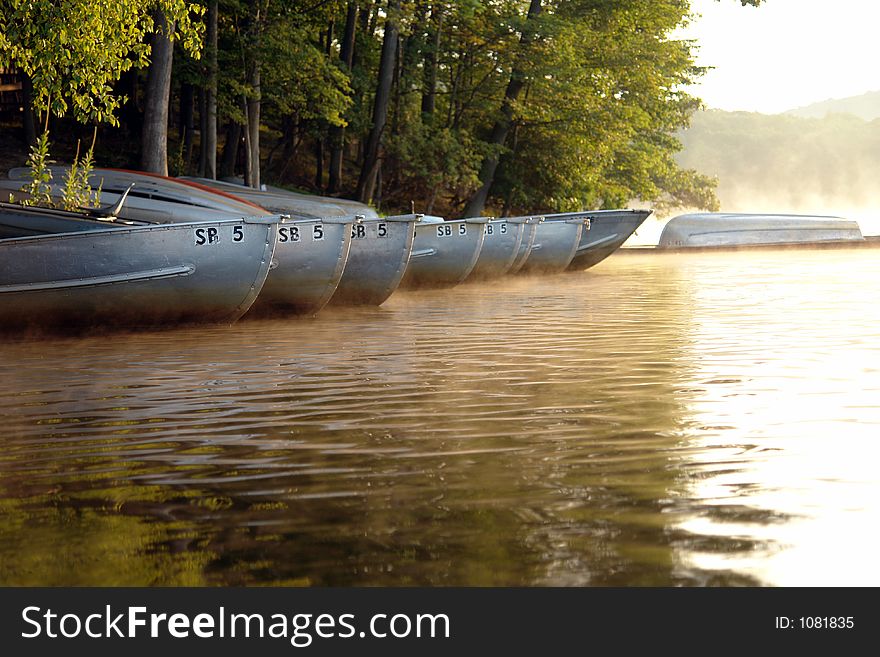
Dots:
{"x": 704, "y": 419}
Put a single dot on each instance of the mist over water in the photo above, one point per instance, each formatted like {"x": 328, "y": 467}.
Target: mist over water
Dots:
{"x": 784, "y": 163}
{"x": 657, "y": 420}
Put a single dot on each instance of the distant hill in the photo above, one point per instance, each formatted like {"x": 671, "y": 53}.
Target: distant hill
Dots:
{"x": 788, "y": 163}
{"x": 866, "y": 106}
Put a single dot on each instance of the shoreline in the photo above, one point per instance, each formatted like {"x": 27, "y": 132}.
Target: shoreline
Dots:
{"x": 870, "y": 241}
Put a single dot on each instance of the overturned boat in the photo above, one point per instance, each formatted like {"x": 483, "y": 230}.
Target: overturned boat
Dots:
{"x": 735, "y": 229}
{"x": 444, "y": 252}
{"x": 277, "y": 199}
{"x": 192, "y": 197}
{"x": 61, "y": 269}
{"x": 501, "y": 244}
{"x": 609, "y": 229}
{"x": 556, "y": 241}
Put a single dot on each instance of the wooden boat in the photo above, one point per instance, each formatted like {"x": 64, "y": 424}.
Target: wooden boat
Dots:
{"x": 128, "y": 275}
{"x": 609, "y": 229}
{"x": 444, "y": 252}
{"x": 500, "y": 247}
{"x": 556, "y": 242}
{"x": 311, "y": 254}
{"x": 530, "y": 229}
{"x": 735, "y": 230}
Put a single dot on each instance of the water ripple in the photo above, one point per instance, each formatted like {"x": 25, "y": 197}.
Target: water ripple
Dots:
{"x": 658, "y": 420}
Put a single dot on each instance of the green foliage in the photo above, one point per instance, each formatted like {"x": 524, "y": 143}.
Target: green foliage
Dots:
{"x": 74, "y": 50}
{"x": 38, "y": 189}
{"x": 77, "y": 192}
{"x": 596, "y": 123}
{"x": 301, "y": 79}
{"x": 434, "y": 161}
{"x": 296, "y": 76}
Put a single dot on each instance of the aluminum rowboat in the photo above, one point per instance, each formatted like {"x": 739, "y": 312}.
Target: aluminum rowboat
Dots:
{"x": 556, "y": 241}
{"x": 735, "y": 230}
{"x": 132, "y": 276}
{"x": 444, "y": 252}
{"x": 380, "y": 246}
{"x": 276, "y": 199}
{"x": 149, "y": 186}
{"x": 380, "y": 253}
{"x": 525, "y": 246}
{"x": 311, "y": 254}
{"x": 609, "y": 229}
{"x": 500, "y": 247}
{"x": 307, "y": 268}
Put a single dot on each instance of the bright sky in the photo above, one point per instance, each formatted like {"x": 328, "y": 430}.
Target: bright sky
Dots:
{"x": 785, "y": 53}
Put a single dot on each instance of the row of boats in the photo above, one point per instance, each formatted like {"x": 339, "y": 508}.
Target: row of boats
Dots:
{"x": 186, "y": 250}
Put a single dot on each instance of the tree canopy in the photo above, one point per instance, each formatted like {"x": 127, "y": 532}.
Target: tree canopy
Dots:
{"x": 73, "y": 51}
{"x": 493, "y": 106}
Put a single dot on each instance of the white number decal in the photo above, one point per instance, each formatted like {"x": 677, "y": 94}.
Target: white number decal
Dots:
{"x": 317, "y": 232}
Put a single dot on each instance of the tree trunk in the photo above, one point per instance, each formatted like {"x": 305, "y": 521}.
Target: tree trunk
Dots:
{"x": 346, "y": 51}
{"x": 319, "y": 163}
{"x": 130, "y": 114}
{"x": 477, "y": 202}
{"x": 253, "y": 102}
{"x": 187, "y": 123}
{"x": 208, "y": 153}
{"x": 370, "y": 168}
{"x": 252, "y": 136}
{"x": 337, "y": 133}
{"x": 429, "y": 65}
{"x": 230, "y": 151}
{"x": 28, "y": 123}
{"x": 154, "y": 151}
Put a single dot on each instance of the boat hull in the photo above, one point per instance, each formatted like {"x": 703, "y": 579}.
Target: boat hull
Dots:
{"x": 378, "y": 257}
{"x": 530, "y": 230}
{"x": 145, "y": 276}
{"x": 444, "y": 253}
{"x": 500, "y": 248}
{"x": 276, "y": 199}
{"x": 145, "y": 209}
{"x": 737, "y": 230}
{"x": 307, "y": 267}
{"x": 556, "y": 241}
{"x": 150, "y": 187}
{"x": 609, "y": 229}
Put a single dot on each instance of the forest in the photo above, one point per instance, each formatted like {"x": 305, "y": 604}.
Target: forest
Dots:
{"x": 457, "y": 108}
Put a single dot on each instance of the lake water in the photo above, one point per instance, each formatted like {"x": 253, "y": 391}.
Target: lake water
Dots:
{"x": 660, "y": 419}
